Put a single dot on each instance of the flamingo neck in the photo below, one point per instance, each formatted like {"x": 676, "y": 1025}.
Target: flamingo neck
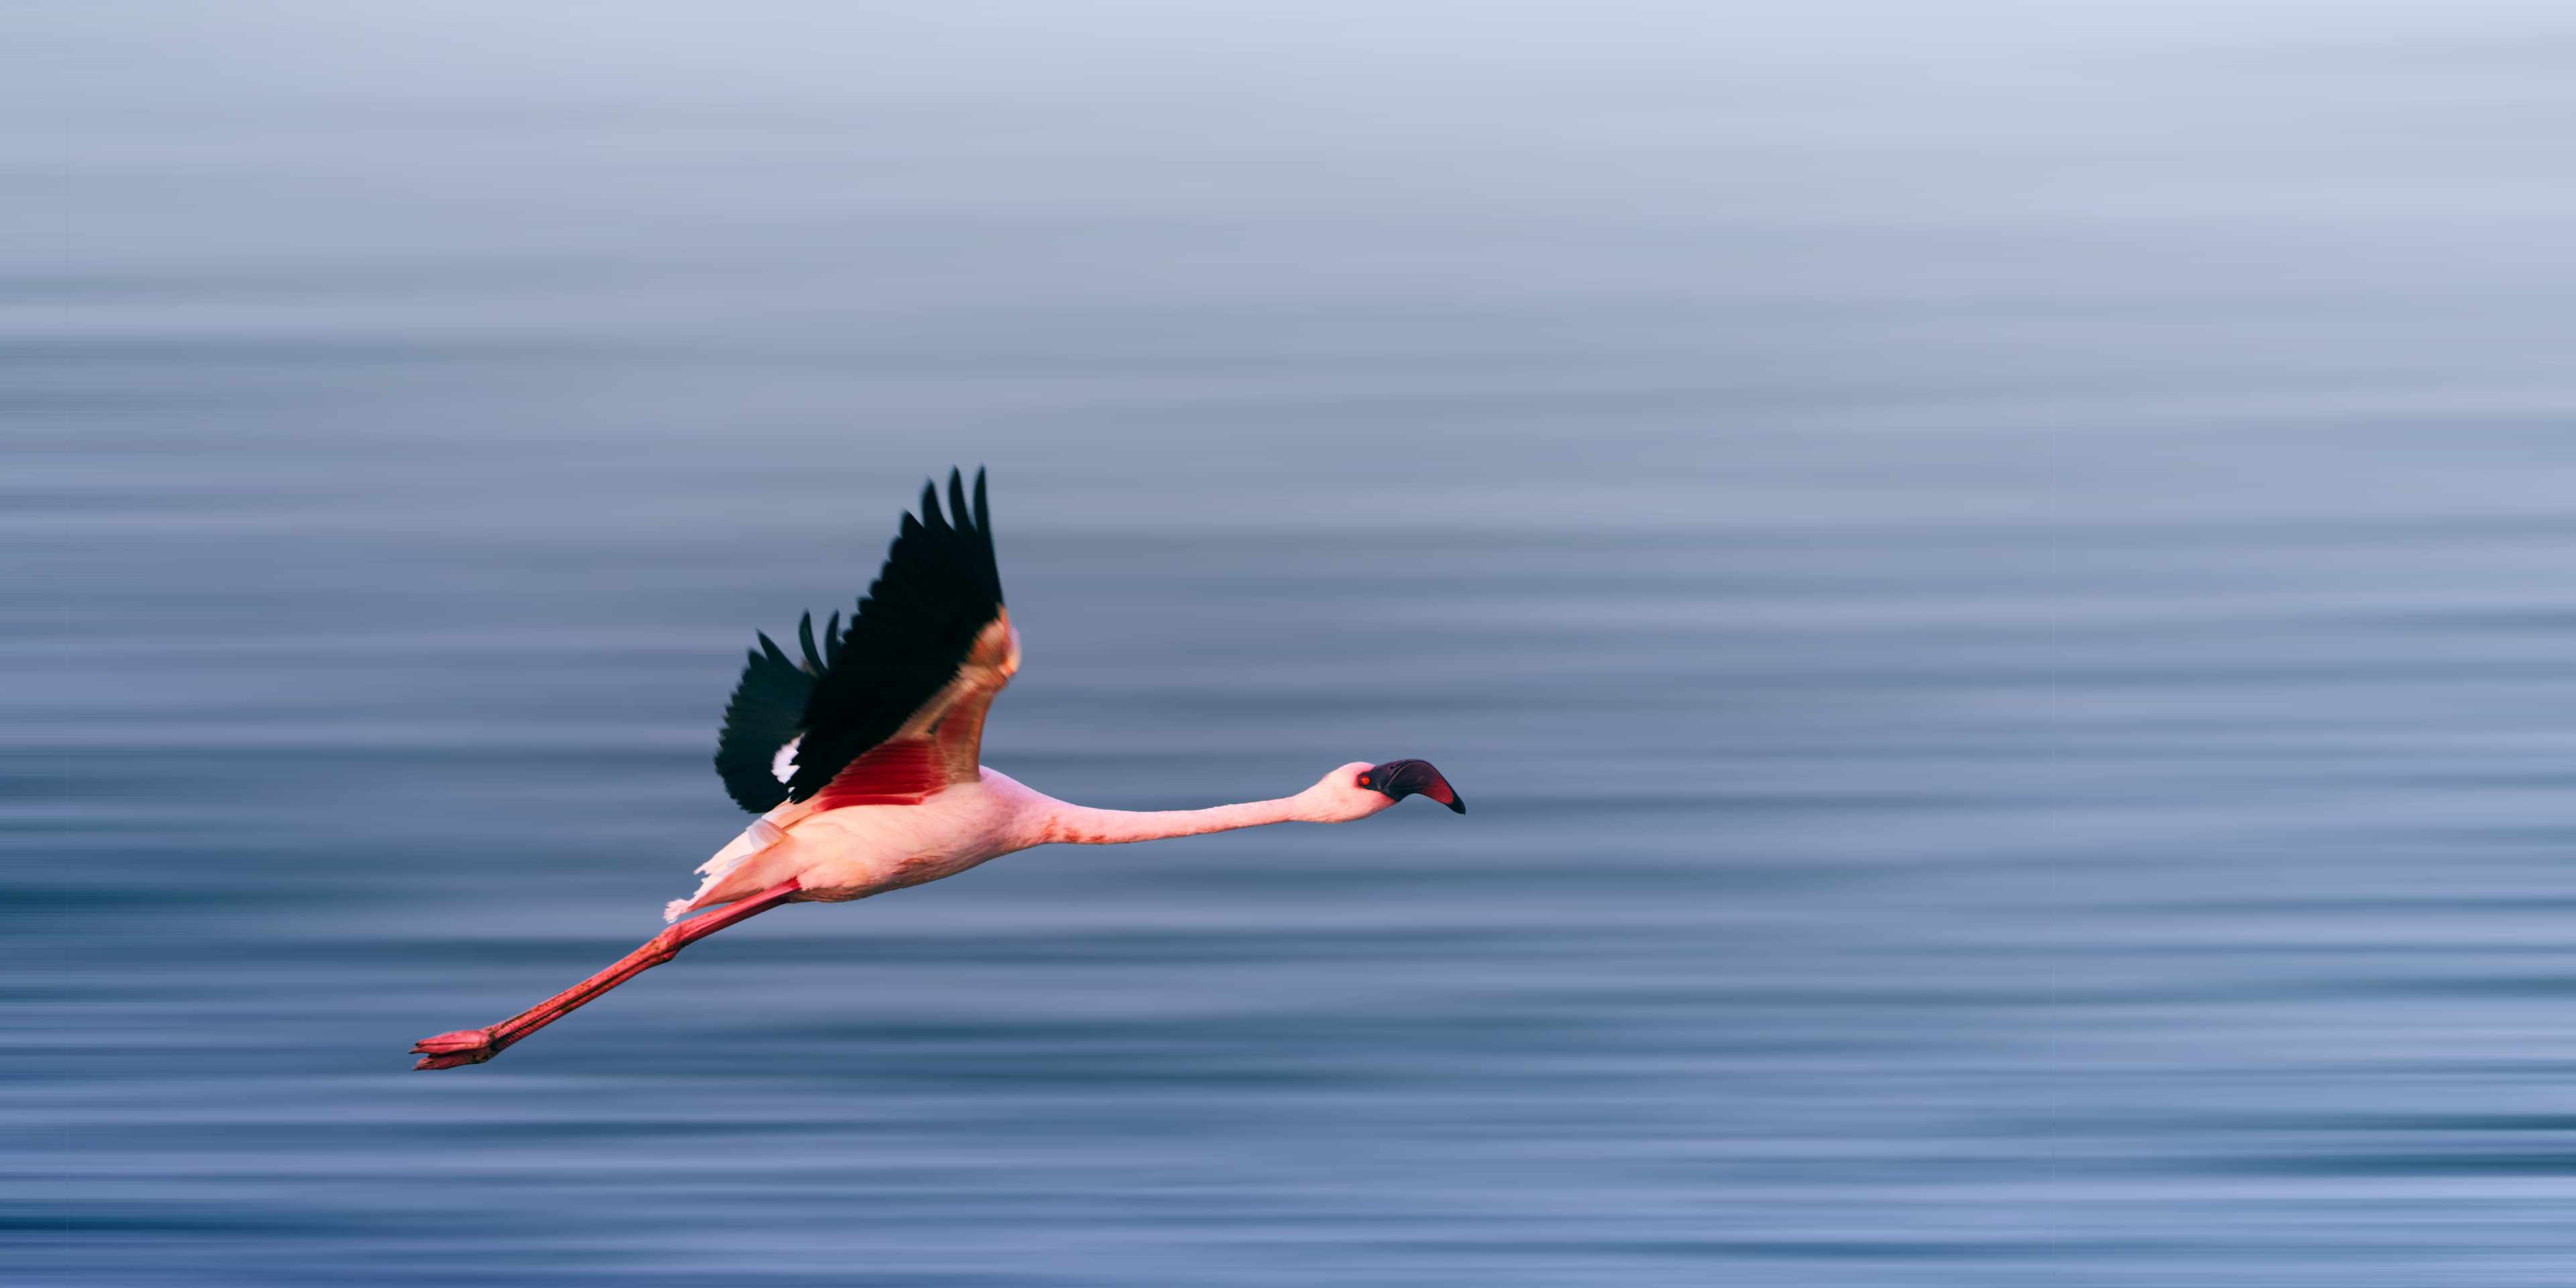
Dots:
{"x": 1083, "y": 825}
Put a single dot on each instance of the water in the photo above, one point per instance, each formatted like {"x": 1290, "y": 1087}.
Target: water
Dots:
{"x": 1999, "y": 587}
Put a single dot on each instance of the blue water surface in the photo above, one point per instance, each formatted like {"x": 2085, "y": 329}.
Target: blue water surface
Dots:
{"x": 2001, "y": 585}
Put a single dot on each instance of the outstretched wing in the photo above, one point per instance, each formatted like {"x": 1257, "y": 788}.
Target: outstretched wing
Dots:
{"x": 891, "y": 710}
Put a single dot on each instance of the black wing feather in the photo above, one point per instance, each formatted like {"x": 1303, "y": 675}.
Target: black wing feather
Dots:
{"x": 768, "y": 707}
{"x": 805, "y": 637}
{"x": 913, "y": 629}
{"x": 939, "y": 588}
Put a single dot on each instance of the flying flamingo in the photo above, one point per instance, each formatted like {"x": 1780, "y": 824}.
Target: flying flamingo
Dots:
{"x": 863, "y": 764}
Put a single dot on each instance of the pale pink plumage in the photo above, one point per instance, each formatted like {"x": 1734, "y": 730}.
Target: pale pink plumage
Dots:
{"x": 915, "y": 805}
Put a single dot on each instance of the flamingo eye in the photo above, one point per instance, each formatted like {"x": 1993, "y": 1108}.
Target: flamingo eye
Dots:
{"x": 1364, "y": 780}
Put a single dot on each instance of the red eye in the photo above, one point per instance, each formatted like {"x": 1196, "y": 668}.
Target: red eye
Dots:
{"x": 1363, "y": 780}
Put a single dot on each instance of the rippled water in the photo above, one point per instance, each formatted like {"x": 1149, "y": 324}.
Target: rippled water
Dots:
{"x": 2003, "y": 592}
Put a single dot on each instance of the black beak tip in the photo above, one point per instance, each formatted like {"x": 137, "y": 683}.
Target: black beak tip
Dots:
{"x": 1402, "y": 778}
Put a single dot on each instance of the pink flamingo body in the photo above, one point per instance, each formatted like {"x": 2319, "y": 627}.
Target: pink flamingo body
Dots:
{"x": 878, "y": 787}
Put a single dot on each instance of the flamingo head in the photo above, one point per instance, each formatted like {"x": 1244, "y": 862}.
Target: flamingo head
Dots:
{"x": 1359, "y": 789}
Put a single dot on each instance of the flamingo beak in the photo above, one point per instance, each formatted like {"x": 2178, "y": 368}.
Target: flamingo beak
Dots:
{"x": 1401, "y": 778}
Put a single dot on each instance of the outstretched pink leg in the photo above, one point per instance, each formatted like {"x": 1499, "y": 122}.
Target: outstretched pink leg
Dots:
{"x": 474, "y": 1046}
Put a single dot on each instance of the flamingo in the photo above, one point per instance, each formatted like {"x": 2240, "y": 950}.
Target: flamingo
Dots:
{"x": 862, "y": 762}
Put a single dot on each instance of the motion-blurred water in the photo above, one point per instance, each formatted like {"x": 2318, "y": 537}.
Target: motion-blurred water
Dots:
{"x": 2002, "y": 588}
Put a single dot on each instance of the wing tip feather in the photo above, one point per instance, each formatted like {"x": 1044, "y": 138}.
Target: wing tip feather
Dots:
{"x": 942, "y": 559}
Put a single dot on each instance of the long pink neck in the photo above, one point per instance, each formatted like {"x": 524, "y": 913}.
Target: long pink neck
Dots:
{"x": 1083, "y": 825}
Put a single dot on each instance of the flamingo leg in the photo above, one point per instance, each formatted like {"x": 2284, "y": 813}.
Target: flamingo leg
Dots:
{"x": 474, "y": 1046}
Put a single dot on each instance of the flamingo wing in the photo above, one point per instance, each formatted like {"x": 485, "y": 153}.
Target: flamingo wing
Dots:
{"x": 892, "y": 709}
